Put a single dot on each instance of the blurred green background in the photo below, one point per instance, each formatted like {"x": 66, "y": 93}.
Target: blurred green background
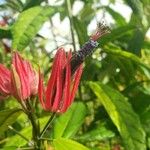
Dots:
{"x": 112, "y": 106}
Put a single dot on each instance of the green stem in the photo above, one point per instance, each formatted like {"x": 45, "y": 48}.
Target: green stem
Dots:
{"x": 35, "y": 126}
{"x": 69, "y": 8}
{"x": 47, "y": 125}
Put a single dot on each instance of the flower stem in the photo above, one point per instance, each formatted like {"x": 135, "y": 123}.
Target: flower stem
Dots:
{"x": 35, "y": 125}
{"x": 48, "y": 124}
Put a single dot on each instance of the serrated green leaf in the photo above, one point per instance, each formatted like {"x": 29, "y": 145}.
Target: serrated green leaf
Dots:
{"x": 66, "y": 144}
{"x": 116, "y": 33}
{"x": 67, "y": 124}
{"x": 8, "y": 117}
{"x": 122, "y": 115}
{"x": 28, "y": 24}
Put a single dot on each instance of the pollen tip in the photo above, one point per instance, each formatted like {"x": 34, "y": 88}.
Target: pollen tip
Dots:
{"x": 101, "y": 30}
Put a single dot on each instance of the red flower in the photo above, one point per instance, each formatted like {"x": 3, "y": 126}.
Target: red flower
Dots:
{"x": 24, "y": 80}
{"x": 62, "y": 86}
{"x": 4, "y": 82}
{"x": 21, "y": 81}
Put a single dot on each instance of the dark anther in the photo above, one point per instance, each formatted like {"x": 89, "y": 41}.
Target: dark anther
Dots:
{"x": 79, "y": 56}
{"x": 88, "y": 47}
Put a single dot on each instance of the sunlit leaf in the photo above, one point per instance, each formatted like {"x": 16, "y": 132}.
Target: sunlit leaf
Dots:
{"x": 122, "y": 115}
{"x": 68, "y": 124}
{"x": 8, "y": 117}
{"x": 28, "y": 24}
{"x": 66, "y": 144}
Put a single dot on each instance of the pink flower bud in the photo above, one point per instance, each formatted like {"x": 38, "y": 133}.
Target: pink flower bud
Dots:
{"x": 24, "y": 79}
{"x": 4, "y": 82}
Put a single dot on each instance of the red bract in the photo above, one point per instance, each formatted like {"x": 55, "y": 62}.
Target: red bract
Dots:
{"x": 62, "y": 86}
{"x": 4, "y": 82}
{"x": 24, "y": 80}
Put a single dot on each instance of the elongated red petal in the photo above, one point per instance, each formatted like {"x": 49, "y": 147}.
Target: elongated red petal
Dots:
{"x": 33, "y": 79}
{"x": 76, "y": 81}
{"x": 28, "y": 78}
{"x": 59, "y": 83}
{"x": 41, "y": 91}
{"x": 67, "y": 84}
{"x": 15, "y": 84}
{"x": 21, "y": 69}
{"x": 5, "y": 80}
{"x": 51, "y": 87}
{"x": 58, "y": 94}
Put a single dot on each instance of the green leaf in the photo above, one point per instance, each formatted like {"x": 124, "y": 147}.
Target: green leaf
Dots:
{"x": 116, "y": 33}
{"x": 86, "y": 13}
{"x": 136, "y": 6}
{"x": 136, "y": 42}
{"x": 120, "y": 20}
{"x": 126, "y": 55}
{"x": 5, "y": 33}
{"x": 8, "y": 117}
{"x": 81, "y": 30}
{"x": 17, "y": 141}
{"x": 68, "y": 124}
{"x": 31, "y": 3}
{"x": 10, "y": 148}
{"x": 97, "y": 134}
{"x": 122, "y": 115}
{"x": 16, "y": 5}
{"x": 66, "y": 144}
{"x": 28, "y": 24}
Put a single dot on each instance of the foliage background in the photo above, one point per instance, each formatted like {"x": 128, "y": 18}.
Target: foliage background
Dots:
{"x": 112, "y": 106}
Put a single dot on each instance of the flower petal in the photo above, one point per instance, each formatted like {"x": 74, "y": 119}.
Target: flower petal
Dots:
{"x": 59, "y": 82}
{"x": 76, "y": 81}
{"x": 67, "y": 84}
{"x": 51, "y": 87}
{"x": 5, "y": 80}
{"x": 41, "y": 91}
{"x": 15, "y": 84}
{"x": 21, "y": 68}
{"x": 33, "y": 79}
